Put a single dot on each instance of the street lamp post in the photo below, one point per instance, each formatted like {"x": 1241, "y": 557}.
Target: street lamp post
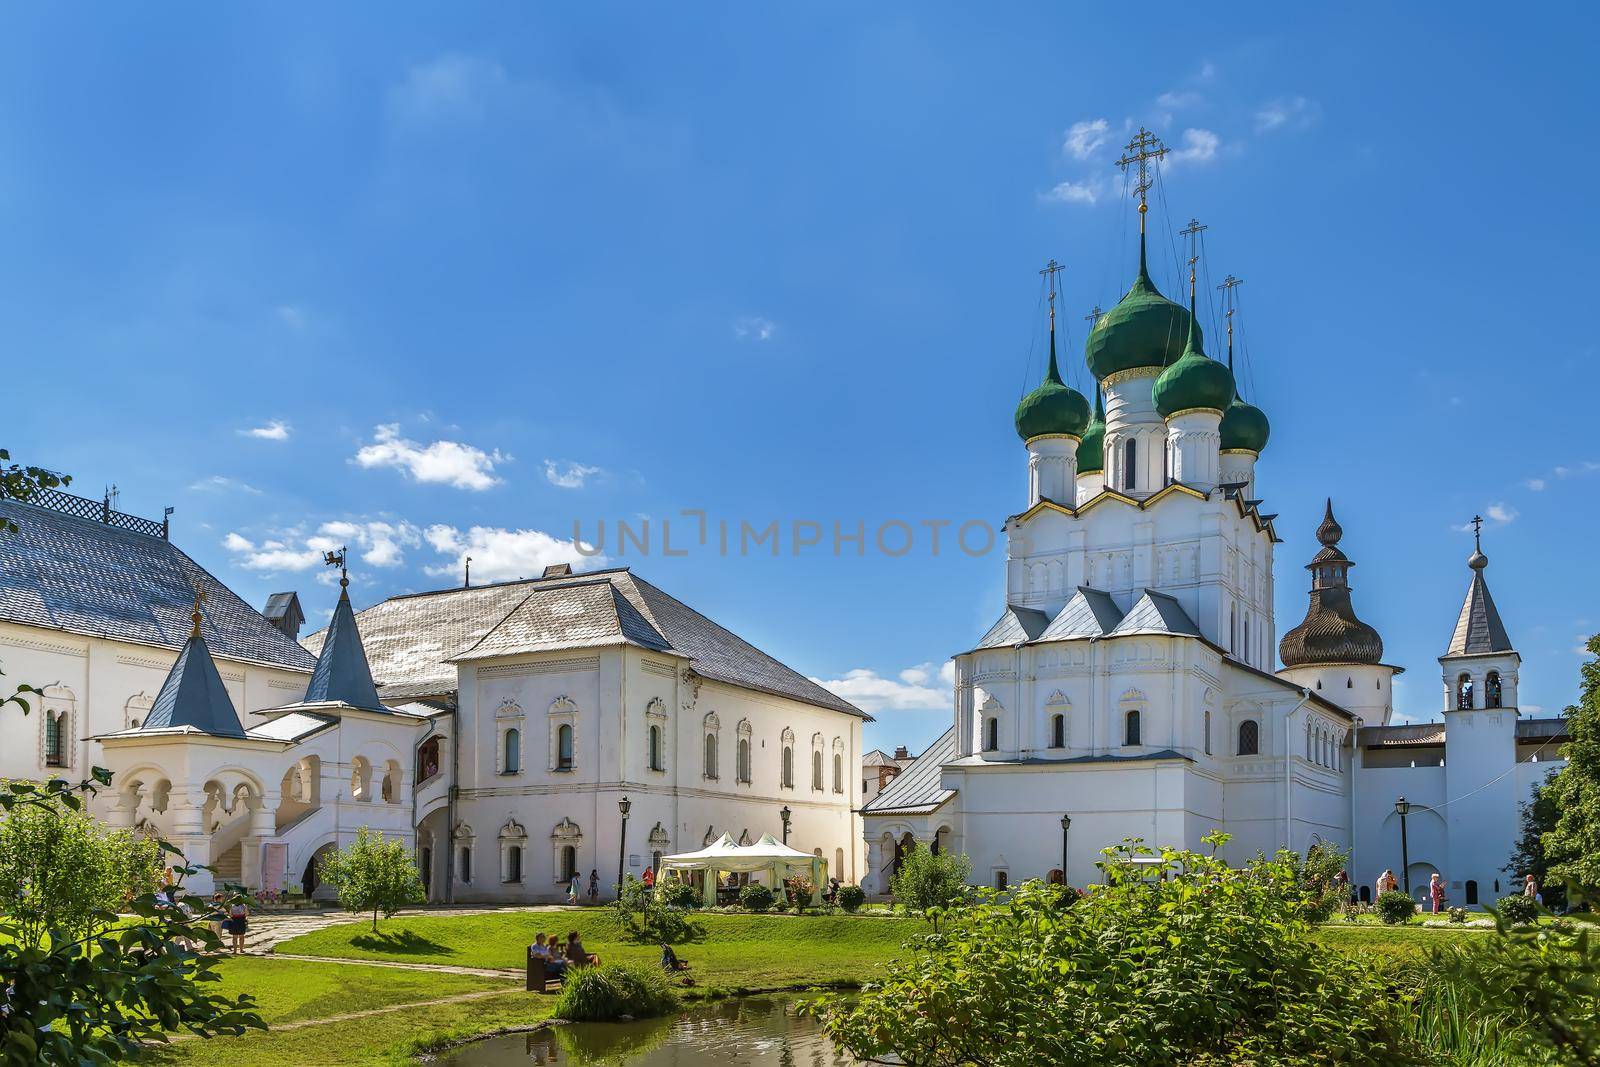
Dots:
{"x": 1066, "y": 824}
{"x": 1402, "y": 808}
{"x": 622, "y": 841}
{"x": 785, "y": 815}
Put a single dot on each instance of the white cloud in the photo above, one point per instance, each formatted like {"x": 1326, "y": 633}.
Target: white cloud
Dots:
{"x": 924, "y": 687}
{"x": 383, "y": 542}
{"x": 570, "y": 475}
{"x": 442, "y": 462}
{"x": 1287, "y": 113}
{"x": 1084, "y": 192}
{"x": 1179, "y": 99}
{"x": 754, "y": 327}
{"x": 293, "y": 317}
{"x": 502, "y": 555}
{"x": 274, "y": 430}
{"x": 1199, "y": 146}
{"x": 1501, "y": 513}
{"x": 219, "y": 483}
{"x": 451, "y": 86}
{"x": 1085, "y": 138}
{"x": 1536, "y": 484}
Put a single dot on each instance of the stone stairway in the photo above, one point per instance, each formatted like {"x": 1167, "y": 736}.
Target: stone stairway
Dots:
{"x": 228, "y": 867}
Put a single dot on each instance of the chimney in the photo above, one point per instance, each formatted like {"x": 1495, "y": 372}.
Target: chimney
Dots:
{"x": 283, "y": 612}
{"x": 901, "y": 753}
{"x": 558, "y": 570}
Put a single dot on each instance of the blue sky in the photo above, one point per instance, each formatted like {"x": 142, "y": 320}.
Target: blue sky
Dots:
{"x": 441, "y": 281}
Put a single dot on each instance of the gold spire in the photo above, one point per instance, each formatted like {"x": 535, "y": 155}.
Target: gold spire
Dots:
{"x": 198, "y": 614}
{"x": 1144, "y": 147}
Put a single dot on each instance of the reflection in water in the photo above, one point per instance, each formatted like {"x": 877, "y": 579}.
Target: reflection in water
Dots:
{"x": 754, "y": 1031}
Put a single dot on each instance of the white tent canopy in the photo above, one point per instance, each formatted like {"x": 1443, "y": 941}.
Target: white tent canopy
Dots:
{"x": 724, "y": 856}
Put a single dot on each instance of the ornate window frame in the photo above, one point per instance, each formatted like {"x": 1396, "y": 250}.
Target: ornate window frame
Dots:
{"x": 819, "y": 782}
{"x": 565, "y": 834}
{"x": 563, "y": 712}
{"x": 744, "y": 752}
{"x": 513, "y": 835}
{"x": 786, "y": 759}
{"x": 463, "y": 858}
{"x": 137, "y": 710}
{"x": 1058, "y": 705}
{"x": 655, "y": 720}
{"x": 60, "y": 707}
{"x": 507, "y": 717}
{"x": 710, "y": 747}
{"x": 838, "y": 765}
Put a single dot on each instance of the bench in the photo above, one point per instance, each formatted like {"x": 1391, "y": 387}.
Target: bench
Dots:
{"x": 539, "y": 978}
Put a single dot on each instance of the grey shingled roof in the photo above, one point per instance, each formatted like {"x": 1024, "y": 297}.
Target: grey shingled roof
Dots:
{"x": 580, "y": 615}
{"x": 60, "y": 572}
{"x": 411, "y": 640}
{"x": 916, "y": 790}
{"x": 193, "y": 697}
{"x": 1015, "y": 626}
{"x": 1402, "y": 734}
{"x": 1156, "y": 613}
{"x": 1478, "y": 629}
{"x": 1090, "y": 613}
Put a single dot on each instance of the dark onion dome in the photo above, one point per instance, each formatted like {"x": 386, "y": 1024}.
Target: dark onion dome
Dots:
{"x": 1330, "y": 632}
{"x": 1145, "y": 329}
{"x": 1092, "y": 449}
{"x": 1054, "y": 408}
{"x": 1244, "y": 428}
{"x": 1195, "y": 381}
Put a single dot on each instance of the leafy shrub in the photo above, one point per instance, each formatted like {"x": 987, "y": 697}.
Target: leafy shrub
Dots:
{"x": 374, "y": 875}
{"x": 1519, "y": 910}
{"x": 644, "y": 917}
{"x": 1458, "y": 915}
{"x": 928, "y": 883}
{"x": 756, "y": 898}
{"x": 608, "y": 992}
{"x": 1395, "y": 907}
{"x": 679, "y": 895}
{"x": 800, "y": 890}
{"x": 1189, "y": 961}
{"x": 1316, "y": 875}
{"x": 851, "y": 897}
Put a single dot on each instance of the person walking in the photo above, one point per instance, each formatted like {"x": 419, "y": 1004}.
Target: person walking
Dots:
{"x": 649, "y": 877}
{"x": 238, "y": 922}
{"x": 1436, "y": 892}
{"x": 594, "y": 887}
{"x": 572, "y": 891}
{"x": 1530, "y": 888}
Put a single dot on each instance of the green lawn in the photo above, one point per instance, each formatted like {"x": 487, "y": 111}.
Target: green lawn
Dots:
{"x": 738, "y": 952}
{"x": 1387, "y": 945}
{"x": 290, "y": 990}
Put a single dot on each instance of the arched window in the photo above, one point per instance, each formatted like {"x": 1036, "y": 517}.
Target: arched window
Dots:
{"x": 744, "y": 759}
{"x": 1308, "y": 739}
{"x": 838, "y": 864}
{"x": 1464, "y": 693}
{"x": 1208, "y": 731}
{"x": 1058, "y": 731}
{"x": 427, "y": 759}
{"x": 838, "y": 773}
{"x": 816, "y": 771}
{"x": 788, "y": 766}
{"x": 1491, "y": 690}
{"x": 564, "y": 747}
{"x": 991, "y": 734}
{"x": 1247, "y": 656}
{"x": 513, "y": 751}
{"x": 466, "y": 863}
{"x": 514, "y": 863}
{"x": 1472, "y": 891}
{"x": 1249, "y": 738}
{"x": 1166, "y": 465}
{"x": 1130, "y": 463}
{"x": 569, "y": 862}
{"x": 653, "y": 747}
{"x": 55, "y": 739}
{"x": 711, "y": 755}
{"x": 1130, "y": 728}
{"x": 1366, "y": 894}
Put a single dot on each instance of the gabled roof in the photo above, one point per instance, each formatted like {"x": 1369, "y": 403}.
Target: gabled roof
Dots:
{"x": 411, "y": 640}
{"x": 63, "y": 572}
{"x": 193, "y": 697}
{"x": 580, "y": 615}
{"x": 1479, "y": 630}
{"x": 1247, "y": 508}
{"x": 1156, "y": 613}
{"x": 1090, "y": 613}
{"x": 342, "y": 675}
{"x": 916, "y": 790}
{"x": 1015, "y": 626}
{"x": 1401, "y": 735}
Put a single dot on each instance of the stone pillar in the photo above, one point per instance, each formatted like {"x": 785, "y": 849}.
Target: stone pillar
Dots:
{"x": 187, "y": 807}
{"x": 263, "y": 827}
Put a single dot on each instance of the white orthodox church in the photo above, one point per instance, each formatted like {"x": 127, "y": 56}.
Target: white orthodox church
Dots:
{"x": 515, "y": 734}
{"x": 1129, "y": 689}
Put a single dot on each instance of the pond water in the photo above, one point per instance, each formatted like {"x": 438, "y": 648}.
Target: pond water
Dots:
{"x": 753, "y": 1031}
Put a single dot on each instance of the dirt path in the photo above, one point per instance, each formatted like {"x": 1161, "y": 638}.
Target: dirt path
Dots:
{"x": 440, "y": 968}
{"x": 267, "y": 930}
{"x": 301, "y": 1024}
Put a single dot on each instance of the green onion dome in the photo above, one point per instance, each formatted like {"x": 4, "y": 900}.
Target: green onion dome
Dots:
{"x": 1194, "y": 381}
{"x": 1145, "y": 329}
{"x": 1092, "y": 449}
{"x": 1054, "y": 407}
{"x": 1244, "y": 428}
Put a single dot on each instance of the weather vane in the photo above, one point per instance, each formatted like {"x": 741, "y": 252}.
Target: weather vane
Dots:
{"x": 337, "y": 559}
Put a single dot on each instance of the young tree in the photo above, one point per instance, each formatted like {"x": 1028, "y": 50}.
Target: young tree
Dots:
{"x": 1539, "y": 815}
{"x": 1572, "y": 847}
{"x": 928, "y": 882}
{"x": 374, "y": 875}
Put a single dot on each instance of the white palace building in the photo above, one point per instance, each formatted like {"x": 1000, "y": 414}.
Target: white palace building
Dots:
{"x": 497, "y": 729}
{"x": 1129, "y": 689}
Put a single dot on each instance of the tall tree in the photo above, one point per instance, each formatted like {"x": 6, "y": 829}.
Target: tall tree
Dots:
{"x": 1539, "y": 815}
{"x": 374, "y": 875}
{"x": 1572, "y": 848}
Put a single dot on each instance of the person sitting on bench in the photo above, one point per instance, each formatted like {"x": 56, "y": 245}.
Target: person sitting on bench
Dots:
{"x": 554, "y": 965}
{"x": 670, "y": 960}
{"x": 577, "y": 955}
